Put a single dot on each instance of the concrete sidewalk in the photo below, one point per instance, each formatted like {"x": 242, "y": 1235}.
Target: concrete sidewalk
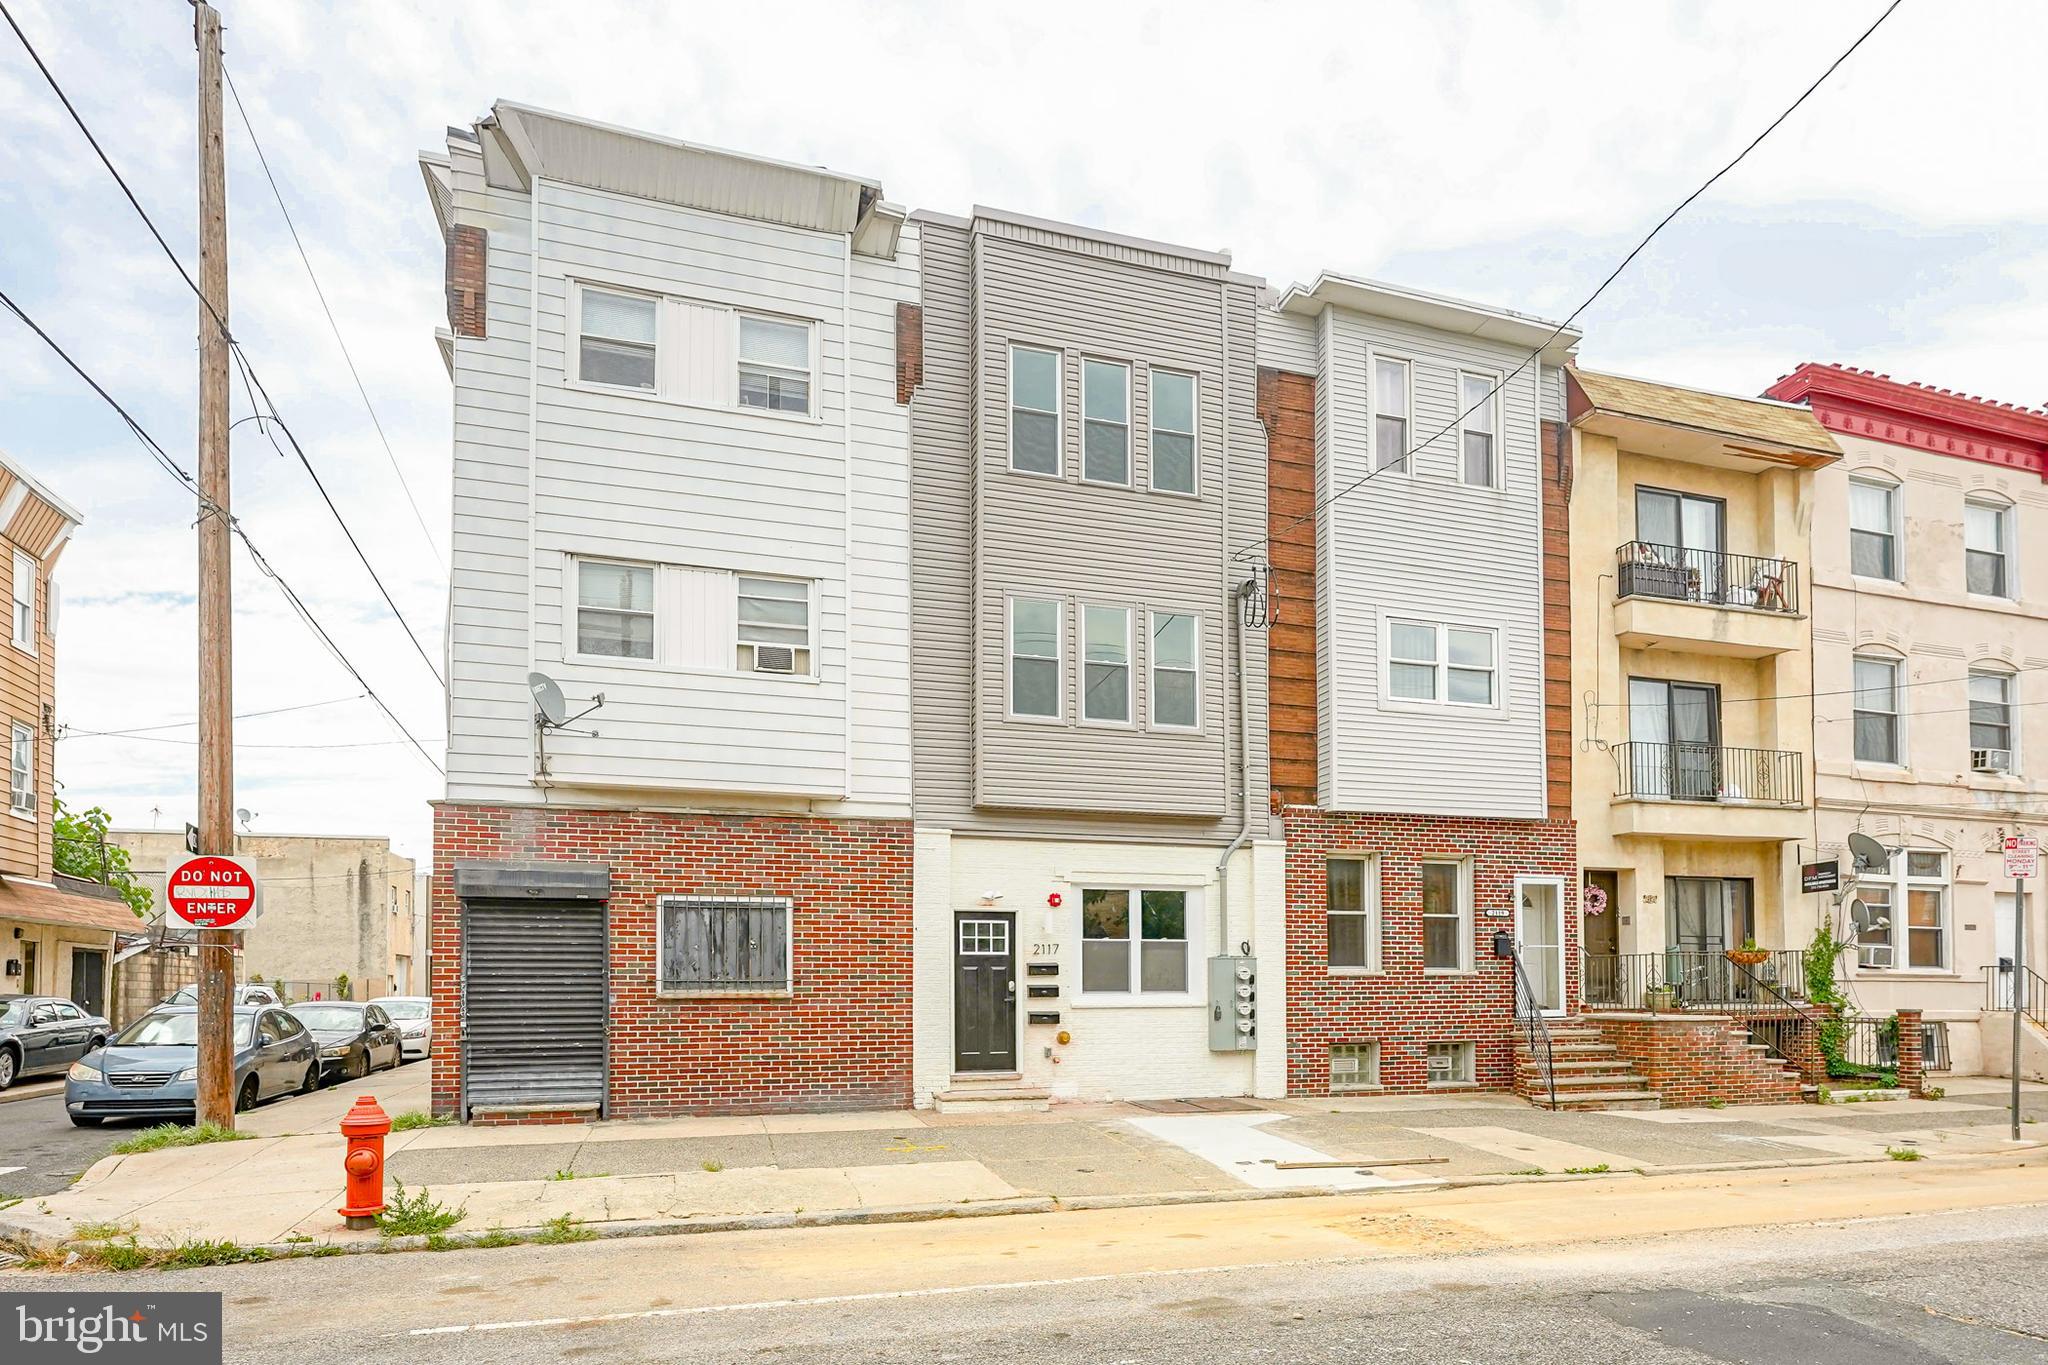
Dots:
{"x": 281, "y": 1188}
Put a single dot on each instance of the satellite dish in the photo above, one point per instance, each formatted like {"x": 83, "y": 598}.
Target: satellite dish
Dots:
{"x": 547, "y": 698}
{"x": 242, "y": 814}
{"x": 1870, "y": 855}
{"x": 1864, "y": 917}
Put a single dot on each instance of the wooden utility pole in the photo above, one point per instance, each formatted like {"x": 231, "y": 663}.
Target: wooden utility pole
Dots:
{"x": 216, "y": 1059}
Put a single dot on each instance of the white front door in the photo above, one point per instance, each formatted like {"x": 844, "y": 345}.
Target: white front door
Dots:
{"x": 1539, "y": 934}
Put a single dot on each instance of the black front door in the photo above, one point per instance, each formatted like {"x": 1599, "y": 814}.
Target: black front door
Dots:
{"x": 89, "y": 979}
{"x": 984, "y": 992}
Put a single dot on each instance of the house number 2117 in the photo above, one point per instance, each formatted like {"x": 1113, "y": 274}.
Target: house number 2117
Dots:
{"x": 1045, "y": 950}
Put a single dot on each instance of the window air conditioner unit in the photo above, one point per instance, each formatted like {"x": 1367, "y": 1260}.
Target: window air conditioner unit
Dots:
{"x": 774, "y": 659}
{"x": 1990, "y": 760}
{"x": 1443, "y": 1066}
{"x": 1874, "y": 955}
{"x": 1343, "y": 1068}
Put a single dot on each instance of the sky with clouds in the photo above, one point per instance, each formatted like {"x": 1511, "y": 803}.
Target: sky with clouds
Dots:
{"x": 1509, "y": 153}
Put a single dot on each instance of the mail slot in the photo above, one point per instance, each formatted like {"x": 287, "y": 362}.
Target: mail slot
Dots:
{"x": 1044, "y": 992}
{"x": 1044, "y": 1016}
{"x": 1041, "y": 969}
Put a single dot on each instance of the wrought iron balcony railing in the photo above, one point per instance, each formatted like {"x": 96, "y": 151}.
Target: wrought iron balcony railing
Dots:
{"x": 1708, "y": 772}
{"x": 1644, "y": 568}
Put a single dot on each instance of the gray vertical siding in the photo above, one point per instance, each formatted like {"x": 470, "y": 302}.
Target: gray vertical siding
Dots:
{"x": 983, "y": 533}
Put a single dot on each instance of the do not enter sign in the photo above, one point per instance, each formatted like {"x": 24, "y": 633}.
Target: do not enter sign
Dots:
{"x": 210, "y": 892}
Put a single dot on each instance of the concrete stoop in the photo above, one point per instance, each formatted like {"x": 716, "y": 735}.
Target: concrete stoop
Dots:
{"x": 992, "y": 1092}
{"x": 1589, "y": 1072}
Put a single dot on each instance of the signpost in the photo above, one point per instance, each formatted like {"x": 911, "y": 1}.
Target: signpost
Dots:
{"x": 210, "y": 892}
{"x": 2022, "y": 861}
{"x": 1823, "y": 876}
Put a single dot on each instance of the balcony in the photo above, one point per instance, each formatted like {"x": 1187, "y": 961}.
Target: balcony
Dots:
{"x": 1706, "y": 791}
{"x": 1697, "y": 980}
{"x": 1707, "y": 602}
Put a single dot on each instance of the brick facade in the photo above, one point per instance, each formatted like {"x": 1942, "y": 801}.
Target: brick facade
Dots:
{"x": 841, "y": 1040}
{"x": 1556, "y": 445}
{"x": 467, "y": 261}
{"x": 1287, "y": 409}
{"x": 1400, "y": 1008}
{"x": 909, "y": 350}
{"x": 1694, "y": 1059}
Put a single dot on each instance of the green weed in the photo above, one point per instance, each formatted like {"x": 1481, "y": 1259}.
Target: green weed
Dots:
{"x": 418, "y": 1118}
{"x": 1601, "y": 1169}
{"x": 563, "y": 1228}
{"x": 178, "y": 1135}
{"x": 417, "y": 1214}
{"x": 1904, "y": 1154}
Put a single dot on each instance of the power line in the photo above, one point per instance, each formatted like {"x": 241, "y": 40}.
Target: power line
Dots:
{"x": 239, "y": 745}
{"x": 1811, "y": 694}
{"x": 1559, "y": 330}
{"x": 239, "y": 715}
{"x": 332, "y": 325}
{"x": 234, "y": 524}
{"x": 249, "y": 376}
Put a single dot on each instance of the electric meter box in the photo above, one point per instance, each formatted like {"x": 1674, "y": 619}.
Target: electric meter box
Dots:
{"x": 1233, "y": 1004}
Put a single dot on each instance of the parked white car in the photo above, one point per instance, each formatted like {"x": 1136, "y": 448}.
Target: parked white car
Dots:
{"x": 244, "y": 995}
{"x": 414, "y": 1015}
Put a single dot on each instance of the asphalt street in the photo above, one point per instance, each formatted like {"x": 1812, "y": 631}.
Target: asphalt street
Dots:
{"x": 36, "y": 1136}
{"x": 1966, "y": 1287}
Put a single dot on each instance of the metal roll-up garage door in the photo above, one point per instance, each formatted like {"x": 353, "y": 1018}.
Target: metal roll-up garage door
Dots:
{"x": 534, "y": 991}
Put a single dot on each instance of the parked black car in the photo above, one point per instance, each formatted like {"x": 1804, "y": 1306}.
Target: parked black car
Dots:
{"x": 151, "y": 1068}
{"x": 355, "y": 1038}
{"x": 43, "y": 1033}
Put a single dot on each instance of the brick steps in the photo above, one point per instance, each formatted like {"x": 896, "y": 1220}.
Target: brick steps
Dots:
{"x": 1583, "y": 1070}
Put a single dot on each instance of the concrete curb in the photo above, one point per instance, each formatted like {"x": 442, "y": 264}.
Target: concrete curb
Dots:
{"x": 31, "y": 1090}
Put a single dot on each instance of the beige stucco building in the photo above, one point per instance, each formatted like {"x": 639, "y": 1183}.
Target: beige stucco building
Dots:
{"x": 1931, "y": 640}
{"x": 1691, "y": 667}
{"x": 332, "y": 905}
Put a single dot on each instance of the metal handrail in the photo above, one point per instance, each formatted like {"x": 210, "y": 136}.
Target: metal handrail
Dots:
{"x": 1768, "y": 583}
{"x": 2003, "y": 980}
{"x": 1695, "y": 771}
{"x": 1701, "y": 979}
{"x": 1532, "y": 1022}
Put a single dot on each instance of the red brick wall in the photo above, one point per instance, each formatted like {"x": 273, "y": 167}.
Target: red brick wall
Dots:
{"x": 1400, "y": 1008}
{"x": 1689, "y": 1059}
{"x": 468, "y": 248}
{"x": 842, "y": 1041}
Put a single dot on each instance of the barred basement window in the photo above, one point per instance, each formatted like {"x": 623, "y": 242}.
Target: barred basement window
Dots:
{"x": 725, "y": 943}
{"x": 1354, "y": 1066}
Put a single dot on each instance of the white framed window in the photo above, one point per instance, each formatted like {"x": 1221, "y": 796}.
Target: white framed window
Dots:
{"x": 1874, "y": 529}
{"x": 616, "y": 340}
{"x": 1354, "y": 1066}
{"x": 24, "y": 601}
{"x": 1174, "y": 468}
{"x": 1105, "y": 422}
{"x": 1478, "y": 430}
{"x": 1035, "y": 656}
{"x": 725, "y": 945}
{"x": 1987, "y": 548}
{"x": 1392, "y": 401}
{"x": 1446, "y": 915}
{"x": 1992, "y": 739}
{"x": 1137, "y": 941}
{"x": 1917, "y": 882}
{"x": 1035, "y": 410}
{"x": 1429, "y": 661}
{"x": 22, "y": 771}
{"x": 1176, "y": 670}
{"x": 774, "y": 364}
{"x": 1106, "y": 665}
{"x": 1878, "y": 727}
{"x": 614, "y": 609}
{"x": 1449, "y": 1064}
{"x": 774, "y": 621}
{"x": 1352, "y": 913}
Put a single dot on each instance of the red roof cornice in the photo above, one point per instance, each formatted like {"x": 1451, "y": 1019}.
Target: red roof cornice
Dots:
{"x": 1880, "y": 408}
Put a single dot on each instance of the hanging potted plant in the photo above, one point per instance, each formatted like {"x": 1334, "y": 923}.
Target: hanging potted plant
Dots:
{"x": 1748, "y": 955}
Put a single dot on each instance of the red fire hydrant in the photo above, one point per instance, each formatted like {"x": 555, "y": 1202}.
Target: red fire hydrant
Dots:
{"x": 364, "y": 1126}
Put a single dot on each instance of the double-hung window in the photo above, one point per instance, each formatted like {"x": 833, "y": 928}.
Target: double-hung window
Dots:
{"x": 22, "y": 771}
{"x": 1478, "y": 428}
{"x": 1389, "y": 414}
{"x": 1176, "y": 671}
{"x": 1987, "y": 553}
{"x": 617, "y": 341}
{"x": 1352, "y": 915}
{"x": 1877, "y": 711}
{"x": 1134, "y": 941}
{"x": 24, "y": 602}
{"x": 614, "y": 609}
{"x": 1105, "y": 422}
{"x": 1990, "y": 720}
{"x": 774, "y": 619}
{"x": 1428, "y": 661}
{"x": 1035, "y": 657}
{"x": 1873, "y": 529}
{"x": 774, "y": 365}
{"x": 1106, "y": 664}
{"x": 1916, "y": 881}
{"x": 1446, "y": 916}
{"x": 725, "y": 944}
{"x": 1173, "y": 432}
{"x": 1034, "y": 410}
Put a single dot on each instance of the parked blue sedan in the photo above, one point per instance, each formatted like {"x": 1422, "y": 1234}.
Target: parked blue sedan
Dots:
{"x": 151, "y": 1068}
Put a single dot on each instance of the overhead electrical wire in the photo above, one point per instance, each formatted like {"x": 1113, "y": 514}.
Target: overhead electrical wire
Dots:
{"x": 1561, "y": 328}
{"x": 63, "y": 730}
